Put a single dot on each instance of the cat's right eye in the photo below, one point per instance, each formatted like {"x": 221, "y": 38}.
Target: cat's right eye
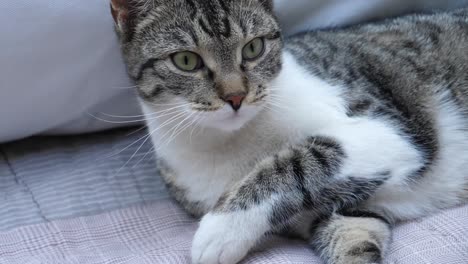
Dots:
{"x": 253, "y": 49}
{"x": 187, "y": 61}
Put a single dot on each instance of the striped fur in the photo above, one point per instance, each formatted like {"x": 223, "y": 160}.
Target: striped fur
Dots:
{"x": 342, "y": 132}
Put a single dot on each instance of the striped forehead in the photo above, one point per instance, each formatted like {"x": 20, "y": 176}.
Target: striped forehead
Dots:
{"x": 214, "y": 26}
{"x": 212, "y": 17}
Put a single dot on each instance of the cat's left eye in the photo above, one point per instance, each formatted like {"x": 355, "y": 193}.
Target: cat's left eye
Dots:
{"x": 253, "y": 49}
{"x": 187, "y": 61}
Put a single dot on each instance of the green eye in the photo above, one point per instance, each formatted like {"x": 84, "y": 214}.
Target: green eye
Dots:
{"x": 253, "y": 49}
{"x": 187, "y": 61}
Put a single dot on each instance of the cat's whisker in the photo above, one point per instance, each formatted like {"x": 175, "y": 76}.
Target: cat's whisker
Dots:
{"x": 170, "y": 120}
{"x": 280, "y": 106}
{"x": 277, "y": 91}
{"x": 145, "y": 115}
{"x": 168, "y": 104}
{"x": 175, "y": 111}
{"x": 181, "y": 130}
{"x": 115, "y": 122}
{"x": 127, "y": 147}
{"x": 273, "y": 87}
{"x": 197, "y": 124}
{"x": 124, "y": 87}
{"x": 177, "y": 128}
{"x": 272, "y": 95}
{"x": 269, "y": 107}
{"x": 149, "y": 136}
{"x": 142, "y": 128}
{"x": 278, "y": 98}
{"x": 272, "y": 92}
{"x": 163, "y": 137}
{"x": 138, "y": 130}
{"x": 276, "y": 111}
{"x": 167, "y": 114}
{"x": 141, "y": 138}
{"x": 120, "y": 116}
{"x": 169, "y": 109}
{"x": 152, "y": 150}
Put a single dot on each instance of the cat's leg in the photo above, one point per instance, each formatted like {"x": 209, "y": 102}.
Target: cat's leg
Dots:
{"x": 356, "y": 237}
{"x": 302, "y": 178}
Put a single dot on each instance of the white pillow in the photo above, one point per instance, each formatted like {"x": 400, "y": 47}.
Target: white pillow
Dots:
{"x": 59, "y": 60}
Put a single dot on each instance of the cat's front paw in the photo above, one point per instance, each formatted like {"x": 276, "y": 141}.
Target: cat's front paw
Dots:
{"x": 223, "y": 239}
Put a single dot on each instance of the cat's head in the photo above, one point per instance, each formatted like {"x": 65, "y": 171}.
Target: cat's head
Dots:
{"x": 209, "y": 59}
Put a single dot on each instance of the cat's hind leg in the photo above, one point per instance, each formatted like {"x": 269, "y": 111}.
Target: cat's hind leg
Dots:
{"x": 352, "y": 238}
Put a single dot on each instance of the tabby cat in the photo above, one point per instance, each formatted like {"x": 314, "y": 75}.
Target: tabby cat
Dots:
{"x": 331, "y": 135}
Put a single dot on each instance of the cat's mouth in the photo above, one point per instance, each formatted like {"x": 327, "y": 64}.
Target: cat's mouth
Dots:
{"x": 226, "y": 119}
{"x": 235, "y": 116}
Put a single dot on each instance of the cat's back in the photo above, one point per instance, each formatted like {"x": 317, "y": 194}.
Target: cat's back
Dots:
{"x": 410, "y": 56}
{"x": 411, "y": 74}
{"x": 404, "y": 69}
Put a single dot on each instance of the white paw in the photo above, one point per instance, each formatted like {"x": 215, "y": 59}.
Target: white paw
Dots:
{"x": 224, "y": 238}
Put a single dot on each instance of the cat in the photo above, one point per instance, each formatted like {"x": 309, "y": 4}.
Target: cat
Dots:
{"x": 331, "y": 135}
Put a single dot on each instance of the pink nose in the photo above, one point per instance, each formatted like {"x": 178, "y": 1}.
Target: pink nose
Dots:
{"x": 235, "y": 101}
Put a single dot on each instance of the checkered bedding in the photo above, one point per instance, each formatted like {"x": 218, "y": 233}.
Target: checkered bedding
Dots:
{"x": 89, "y": 200}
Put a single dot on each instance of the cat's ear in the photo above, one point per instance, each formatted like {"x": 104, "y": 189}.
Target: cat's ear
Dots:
{"x": 120, "y": 12}
{"x": 268, "y": 4}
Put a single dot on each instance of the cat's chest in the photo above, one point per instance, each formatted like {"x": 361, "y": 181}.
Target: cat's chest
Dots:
{"x": 205, "y": 175}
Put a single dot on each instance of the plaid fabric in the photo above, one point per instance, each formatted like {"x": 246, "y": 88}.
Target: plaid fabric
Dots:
{"x": 64, "y": 200}
{"x": 162, "y": 233}
{"x": 45, "y": 179}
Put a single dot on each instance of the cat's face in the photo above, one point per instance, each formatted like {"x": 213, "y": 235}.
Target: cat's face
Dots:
{"x": 211, "y": 59}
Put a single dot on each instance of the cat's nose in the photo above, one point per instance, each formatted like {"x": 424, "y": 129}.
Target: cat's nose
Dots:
{"x": 235, "y": 100}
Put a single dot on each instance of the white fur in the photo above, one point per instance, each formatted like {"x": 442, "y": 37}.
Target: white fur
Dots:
{"x": 227, "y": 120}
{"x": 372, "y": 146}
{"x": 227, "y": 238}
{"x": 210, "y": 162}
{"x": 442, "y": 187}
